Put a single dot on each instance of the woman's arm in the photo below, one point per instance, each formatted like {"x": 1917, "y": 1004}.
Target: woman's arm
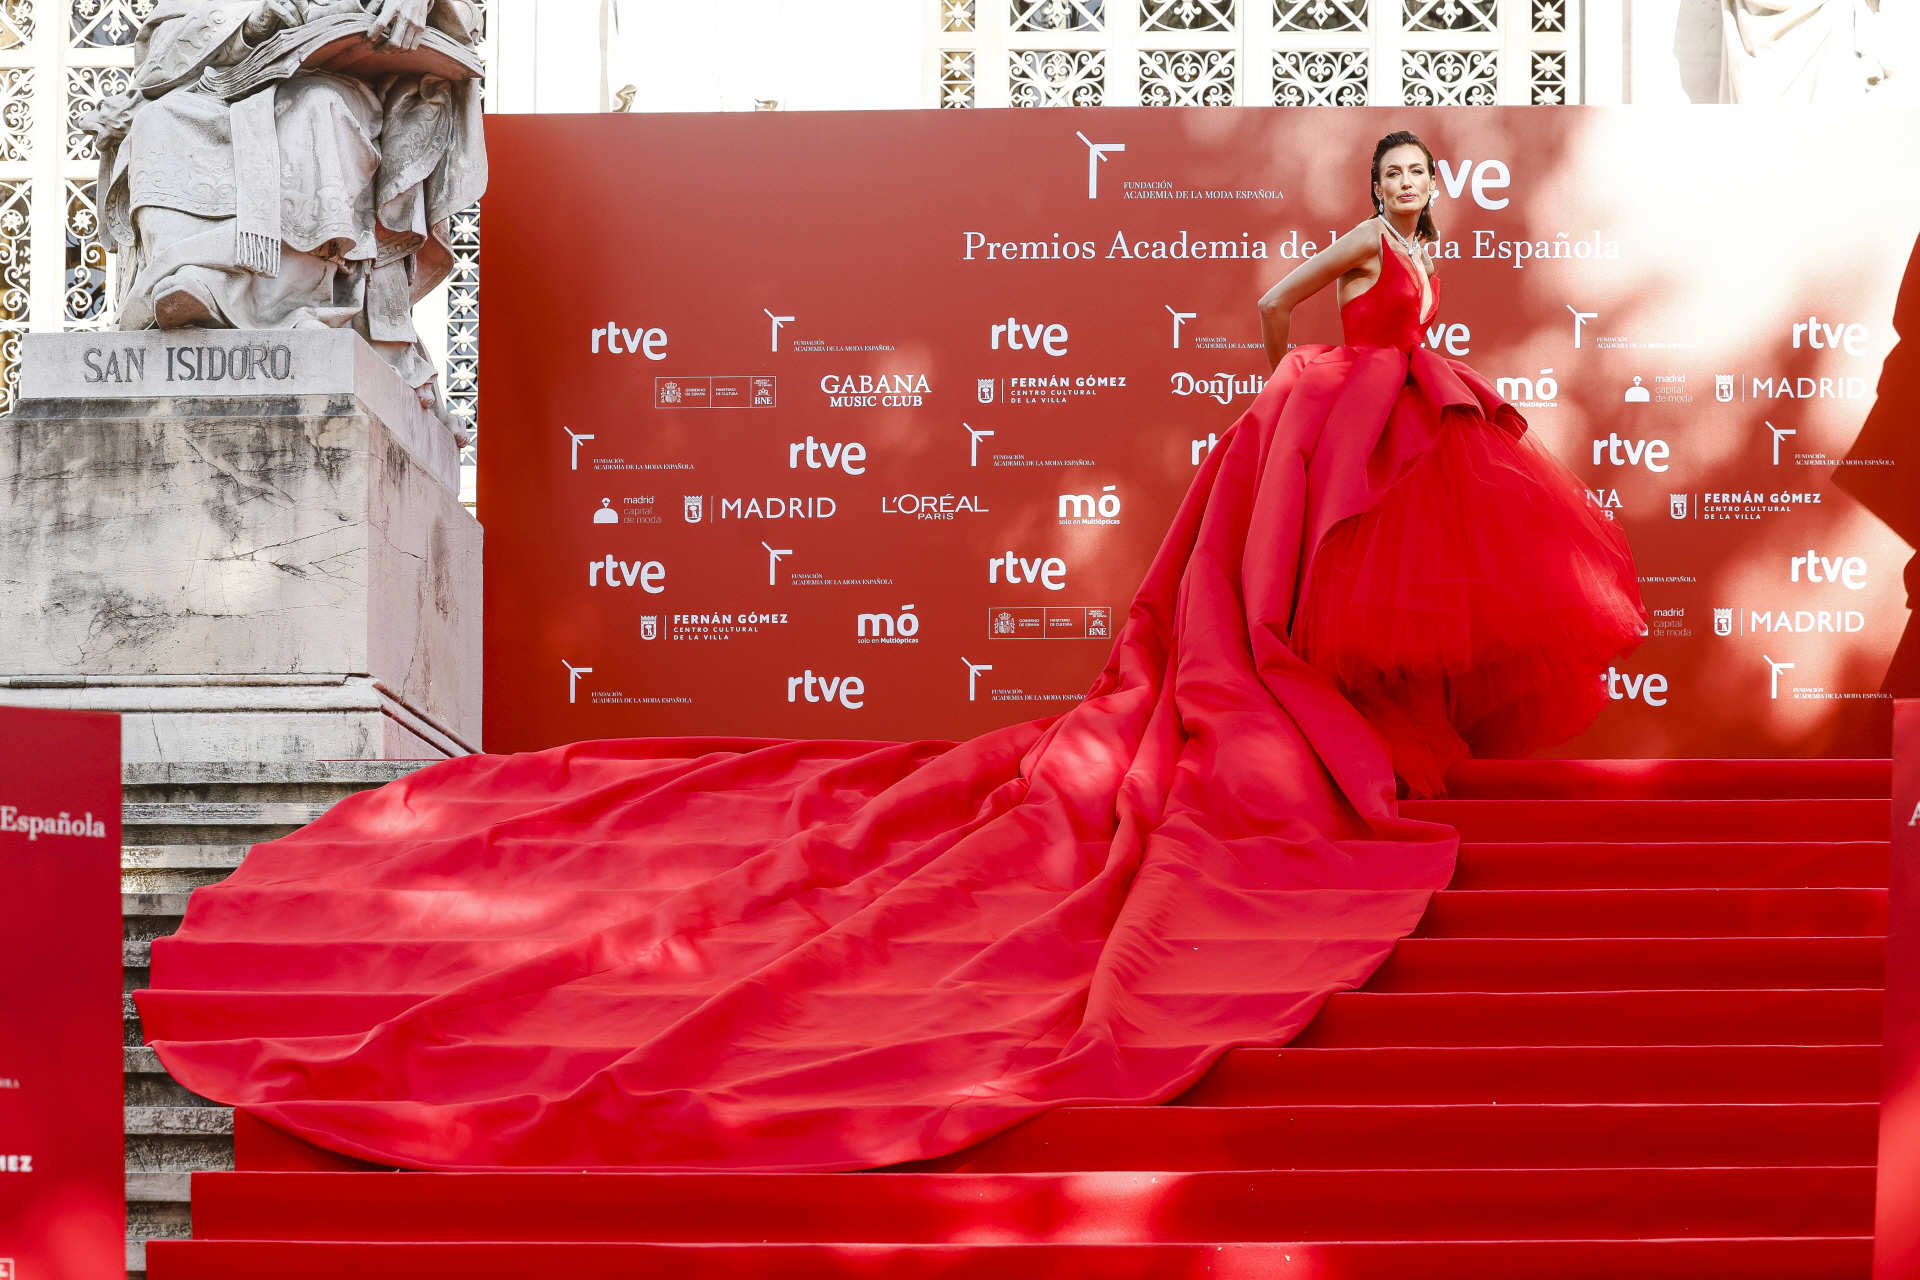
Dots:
{"x": 1307, "y": 279}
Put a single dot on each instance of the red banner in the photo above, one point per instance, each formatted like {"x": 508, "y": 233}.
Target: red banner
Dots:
{"x": 1897, "y": 1228}
{"x": 866, "y": 425}
{"x": 62, "y": 1164}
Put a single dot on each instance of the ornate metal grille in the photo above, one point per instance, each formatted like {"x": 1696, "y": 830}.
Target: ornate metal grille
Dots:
{"x": 1045, "y": 53}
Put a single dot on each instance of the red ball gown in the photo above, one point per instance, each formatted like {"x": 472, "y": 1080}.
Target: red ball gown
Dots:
{"x": 755, "y": 954}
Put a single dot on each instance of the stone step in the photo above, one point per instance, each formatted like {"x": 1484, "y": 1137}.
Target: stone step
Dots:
{"x": 159, "y": 1188}
{"x": 315, "y": 782}
{"x": 215, "y": 821}
{"x": 177, "y": 868}
{"x": 183, "y": 1121}
{"x": 177, "y": 1153}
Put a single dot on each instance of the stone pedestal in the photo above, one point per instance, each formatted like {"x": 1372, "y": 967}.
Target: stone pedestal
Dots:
{"x": 249, "y": 544}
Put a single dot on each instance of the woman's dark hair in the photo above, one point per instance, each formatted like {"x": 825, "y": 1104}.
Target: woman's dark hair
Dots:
{"x": 1400, "y": 138}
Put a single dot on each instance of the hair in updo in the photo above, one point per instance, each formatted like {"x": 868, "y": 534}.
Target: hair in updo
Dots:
{"x": 1400, "y": 138}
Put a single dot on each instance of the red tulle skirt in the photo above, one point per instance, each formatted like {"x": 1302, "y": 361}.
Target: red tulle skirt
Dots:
{"x": 1473, "y": 611}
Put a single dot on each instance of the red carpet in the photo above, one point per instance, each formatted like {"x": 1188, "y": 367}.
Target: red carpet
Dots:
{"x": 1638, "y": 1036}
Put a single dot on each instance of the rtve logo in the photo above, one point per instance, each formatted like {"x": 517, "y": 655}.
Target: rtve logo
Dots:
{"x": 1615, "y": 451}
{"x": 1812, "y": 333}
{"x": 649, "y": 575}
{"x": 1848, "y": 571}
{"x": 819, "y": 455}
{"x": 849, "y": 691}
{"x": 1049, "y": 571}
{"x": 651, "y": 343}
{"x": 1650, "y": 689}
{"x": 1486, "y": 177}
{"x": 1050, "y": 338}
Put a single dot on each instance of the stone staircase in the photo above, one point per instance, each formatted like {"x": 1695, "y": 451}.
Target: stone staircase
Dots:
{"x": 183, "y": 826}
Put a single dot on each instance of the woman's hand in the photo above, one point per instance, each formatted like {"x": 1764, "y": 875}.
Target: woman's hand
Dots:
{"x": 401, "y": 23}
{"x": 272, "y": 16}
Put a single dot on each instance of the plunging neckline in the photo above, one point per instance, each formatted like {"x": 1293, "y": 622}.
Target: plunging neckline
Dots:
{"x": 1425, "y": 280}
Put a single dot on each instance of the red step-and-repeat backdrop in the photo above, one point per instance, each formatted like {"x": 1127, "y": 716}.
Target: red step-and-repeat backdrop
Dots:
{"x": 867, "y": 424}
{"x": 62, "y": 1162}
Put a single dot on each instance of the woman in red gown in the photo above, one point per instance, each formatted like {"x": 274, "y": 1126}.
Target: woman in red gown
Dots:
{"x": 707, "y": 953}
{"x": 1472, "y": 609}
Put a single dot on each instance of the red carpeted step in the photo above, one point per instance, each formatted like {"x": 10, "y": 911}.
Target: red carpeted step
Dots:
{"x": 1669, "y": 779}
{"x": 1804, "y": 1258}
{"x": 1521, "y": 1136}
{"x": 1623, "y": 964}
{"x": 1361, "y": 1018}
{"x": 1663, "y": 820}
{"x": 1655, "y": 913}
{"x": 986, "y": 1208}
{"x": 1529, "y": 1073}
{"x": 1677, "y": 865}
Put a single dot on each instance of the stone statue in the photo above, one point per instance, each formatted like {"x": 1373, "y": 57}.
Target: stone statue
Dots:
{"x": 1803, "y": 51}
{"x": 294, "y": 164}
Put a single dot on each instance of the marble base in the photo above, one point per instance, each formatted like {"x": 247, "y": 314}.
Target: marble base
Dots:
{"x": 279, "y": 571}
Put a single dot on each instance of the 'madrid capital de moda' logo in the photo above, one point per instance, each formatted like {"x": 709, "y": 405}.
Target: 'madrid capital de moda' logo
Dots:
{"x": 14, "y": 821}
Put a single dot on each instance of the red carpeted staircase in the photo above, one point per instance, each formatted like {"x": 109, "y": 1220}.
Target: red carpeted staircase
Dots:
{"x": 1637, "y": 1036}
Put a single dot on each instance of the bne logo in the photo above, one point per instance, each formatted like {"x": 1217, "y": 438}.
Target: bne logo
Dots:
{"x": 904, "y": 625}
{"x": 1650, "y": 689}
{"x": 1811, "y": 332}
{"x": 651, "y": 343}
{"x": 649, "y": 575}
{"x": 1014, "y": 336}
{"x": 1849, "y": 571}
{"x": 1050, "y": 572}
{"x": 819, "y": 455}
{"x": 1616, "y": 452}
{"x": 849, "y": 691}
{"x": 1087, "y": 506}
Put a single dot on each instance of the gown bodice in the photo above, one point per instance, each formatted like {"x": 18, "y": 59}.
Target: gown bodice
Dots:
{"x": 1387, "y": 312}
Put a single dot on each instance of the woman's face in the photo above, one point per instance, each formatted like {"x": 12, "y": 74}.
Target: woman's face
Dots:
{"x": 1405, "y": 181}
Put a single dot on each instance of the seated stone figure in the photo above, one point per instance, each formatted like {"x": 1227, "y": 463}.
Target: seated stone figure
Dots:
{"x": 322, "y": 199}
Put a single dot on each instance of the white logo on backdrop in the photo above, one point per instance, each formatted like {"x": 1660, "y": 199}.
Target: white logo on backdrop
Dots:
{"x": 573, "y": 677}
{"x": 1780, "y": 434}
{"x": 1723, "y": 622}
{"x": 1180, "y": 318}
{"x": 1580, "y": 319}
{"x": 774, "y": 342}
{"x": 1637, "y": 394}
{"x": 973, "y": 445}
{"x": 1723, "y": 387}
{"x": 974, "y": 671}
{"x": 606, "y": 514}
{"x": 578, "y": 440}
{"x": 1778, "y": 667}
{"x": 1677, "y": 505}
{"x": 650, "y": 626}
{"x": 773, "y": 560}
{"x": 986, "y": 390}
{"x": 1097, "y": 153}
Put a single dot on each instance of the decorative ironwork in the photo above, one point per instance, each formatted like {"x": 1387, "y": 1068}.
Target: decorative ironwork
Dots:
{"x": 86, "y": 272}
{"x": 16, "y": 114}
{"x": 1057, "y": 78}
{"x": 956, "y": 15}
{"x": 1549, "y": 83}
{"x": 1319, "y": 15}
{"x": 107, "y": 24}
{"x": 1186, "y": 15}
{"x": 16, "y": 269}
{"x": 87, "y": 87}
{"x": 1549, "y": 17}
{"x": 16, "y": 24}
{"x": 1450, "y": 77}
{"x": 1320, "y": 78}
{"x": 1187, "y": 77}
{"x": 1454, "y": 16}
{"x": 462, "y": 387}
{"x": 1059, "y": 15}
{"x": 958, "y": 87}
